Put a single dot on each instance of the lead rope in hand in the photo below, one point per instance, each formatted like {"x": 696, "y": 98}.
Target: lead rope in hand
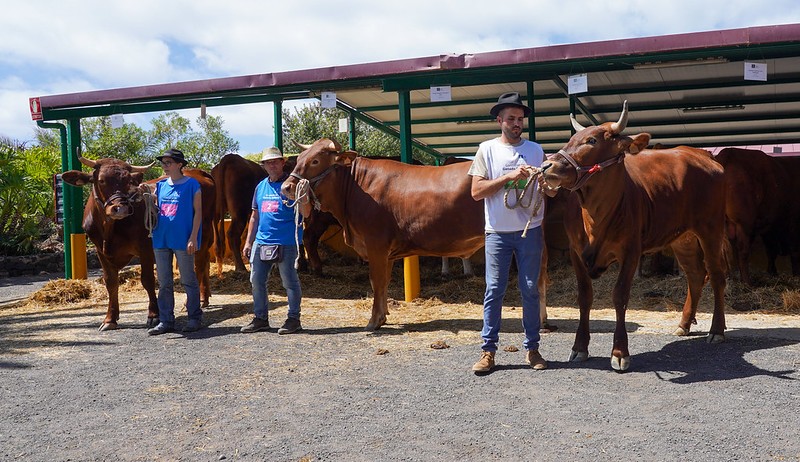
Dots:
{"x": 526, "y": 191}
{"x": 150, "y": 212}
{"x": 303, "y": 194}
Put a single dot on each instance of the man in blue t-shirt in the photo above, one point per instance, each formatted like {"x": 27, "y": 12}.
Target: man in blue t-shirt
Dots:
{"x": 272, "y": 238}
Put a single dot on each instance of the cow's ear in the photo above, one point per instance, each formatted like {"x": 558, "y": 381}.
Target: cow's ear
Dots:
{"x": 137, "y": 177}
{"x": 346, "y": 158}
{"x": 638, "y": 143}
{"x": 76, "y": 177}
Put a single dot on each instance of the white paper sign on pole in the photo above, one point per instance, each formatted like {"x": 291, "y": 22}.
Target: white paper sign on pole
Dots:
{"x": 755, "y": 71}
{"x": 441, "y": 93}
{"x": 117, "y": 121}
{"x": 328, "y": 99}
{"x": 342, "y": 125}
{"x": 577, "y": 83}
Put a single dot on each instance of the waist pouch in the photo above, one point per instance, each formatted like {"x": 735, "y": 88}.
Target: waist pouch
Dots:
{"x": 270, "y": 252}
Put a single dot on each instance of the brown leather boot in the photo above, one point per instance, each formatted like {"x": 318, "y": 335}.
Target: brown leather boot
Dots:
{"x": 486, "y": 363}
{"x": 535, "y": 360}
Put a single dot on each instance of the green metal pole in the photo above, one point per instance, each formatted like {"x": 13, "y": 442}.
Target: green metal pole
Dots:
{"x": 351, "y": 126}
{"x": 404, "y": 97}
{"x": 73, "y": 196}
{"x": 66, "y": 219}
{"x": 277, "y": 111}
{"x": 532, "y": 118}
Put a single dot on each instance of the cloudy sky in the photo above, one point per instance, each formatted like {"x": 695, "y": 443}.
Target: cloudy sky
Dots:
{"x": 51, "y": 47}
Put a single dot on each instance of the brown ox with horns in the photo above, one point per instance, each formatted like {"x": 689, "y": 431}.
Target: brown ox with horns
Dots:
{"x": 391, "y": 210}
{"x": 114, "y": 220}
{"x": 628, "y": 200}
{"x": 761, "y": 201}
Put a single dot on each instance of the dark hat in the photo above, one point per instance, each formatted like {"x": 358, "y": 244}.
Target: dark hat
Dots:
{"x": 509, "y": 99}
{"x": 175, "y": 154}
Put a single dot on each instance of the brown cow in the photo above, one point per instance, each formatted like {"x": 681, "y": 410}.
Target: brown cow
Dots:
{"x": 114, "y": 220}
{"x": 762, "y": 201}
{"x": 391, "y": 210}
{"x": 236, "y": 179}
{"x": 628, "y": 200}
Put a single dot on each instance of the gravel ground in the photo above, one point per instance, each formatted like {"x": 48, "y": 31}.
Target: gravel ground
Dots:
{"x": 68, "y": 392}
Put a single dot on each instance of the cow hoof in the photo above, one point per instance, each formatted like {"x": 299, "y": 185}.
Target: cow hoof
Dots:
{"x": 715, "y": 338}
{"x": 204, "y": 304}
{"x": 578, "y": 356}
{"x": 681, "y": 332}
{"x": 108, "y": 326}
{"x": 151, "y": 322}
{"x": 376, "y": 324}
{"x": 620, "y": 364}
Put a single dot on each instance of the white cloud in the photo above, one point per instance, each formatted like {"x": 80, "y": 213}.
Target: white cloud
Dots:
{"x": 52, "y": 46}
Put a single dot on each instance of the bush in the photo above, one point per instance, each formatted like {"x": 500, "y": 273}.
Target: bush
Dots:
{"x": 26, "y": 196}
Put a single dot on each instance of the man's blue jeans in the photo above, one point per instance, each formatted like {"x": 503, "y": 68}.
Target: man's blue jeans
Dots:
{"x": 259, "y": 274}
{"x": 528, "y": 251}
{"x": 166, "y": 292}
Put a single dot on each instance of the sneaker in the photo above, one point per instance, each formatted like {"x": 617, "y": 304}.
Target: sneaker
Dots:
{"x": 291, "y": 326}
{"x": 192, "y": 325}
{"x": 534, "y": 358}
{"x": 486, "y": 363}
{"x": 161, "y": 328}
{"x": 257, "y": 324}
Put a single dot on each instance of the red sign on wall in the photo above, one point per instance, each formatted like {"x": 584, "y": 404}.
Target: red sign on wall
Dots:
{"x": 36, "y": 109}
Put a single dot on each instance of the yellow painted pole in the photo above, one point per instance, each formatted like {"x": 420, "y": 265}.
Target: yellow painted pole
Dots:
{"x": 411, "y": 275}
{"x": 78, "y": 243}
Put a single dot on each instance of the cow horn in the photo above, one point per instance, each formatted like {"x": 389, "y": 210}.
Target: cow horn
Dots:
{"x": 141, "y": 168}
{"x": 578, "y": 127}
{"x": 87, "y": 162}
{"x": 302, "y": 147}
{"x": 335, "y": 146}
{"x": 620, "y": 125}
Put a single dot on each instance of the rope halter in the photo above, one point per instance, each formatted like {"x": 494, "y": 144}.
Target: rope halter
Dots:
{"x": 527, "y": 191}
{"x": 582, "y": 174}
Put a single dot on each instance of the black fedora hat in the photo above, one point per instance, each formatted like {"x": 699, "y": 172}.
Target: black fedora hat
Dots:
{"x": 509, "y": 99}
{"x": 175, "y": 154}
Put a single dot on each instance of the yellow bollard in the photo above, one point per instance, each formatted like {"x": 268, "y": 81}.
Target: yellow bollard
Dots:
{"x": 411, "y": 275}
{"x": 78, "y": 243}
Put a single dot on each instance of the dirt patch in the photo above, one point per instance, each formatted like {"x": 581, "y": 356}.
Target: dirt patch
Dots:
{"x": 336, "y": 392}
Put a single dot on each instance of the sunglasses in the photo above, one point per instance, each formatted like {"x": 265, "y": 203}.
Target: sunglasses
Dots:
{"x": 167, "y": 163}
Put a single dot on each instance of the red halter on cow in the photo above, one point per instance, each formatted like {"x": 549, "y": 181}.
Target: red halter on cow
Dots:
{"x": 114, "y": 220}
{"x": 628, "y": 200}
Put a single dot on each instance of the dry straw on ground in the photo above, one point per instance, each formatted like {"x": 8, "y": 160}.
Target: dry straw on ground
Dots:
{"x": 448, "y": 308}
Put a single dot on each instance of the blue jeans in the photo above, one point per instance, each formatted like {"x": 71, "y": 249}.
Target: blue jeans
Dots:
{"x": 166, "y": 291}
{"x": 259, "y": 274}
{"x": 499, "y": 249}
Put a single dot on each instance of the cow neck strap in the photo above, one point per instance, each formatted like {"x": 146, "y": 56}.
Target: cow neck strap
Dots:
{"x": 584, "y": 173}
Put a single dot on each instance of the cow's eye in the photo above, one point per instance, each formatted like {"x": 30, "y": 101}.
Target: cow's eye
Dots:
{"x": 591, "y": 141}
{"x": 315, "y": 162}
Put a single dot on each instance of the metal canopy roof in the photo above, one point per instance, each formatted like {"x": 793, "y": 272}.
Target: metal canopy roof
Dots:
{"x": 682, "y": 89}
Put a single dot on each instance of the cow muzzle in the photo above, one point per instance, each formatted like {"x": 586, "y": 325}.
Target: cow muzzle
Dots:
{"x": 119, "y": 206}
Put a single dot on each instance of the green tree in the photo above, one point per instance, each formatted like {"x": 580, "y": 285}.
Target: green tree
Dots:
{"x": 202, "y": 149}
{"x": 26, "y": 195}
{"x": 307, "y": 124}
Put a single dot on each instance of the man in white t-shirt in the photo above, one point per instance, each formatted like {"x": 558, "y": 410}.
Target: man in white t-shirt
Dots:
{"x": 505, "y": 164}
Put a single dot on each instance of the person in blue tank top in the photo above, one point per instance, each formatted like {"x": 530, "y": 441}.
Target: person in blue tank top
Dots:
{"x": 272, "y": 238}
{"x": 177, "y": 233}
